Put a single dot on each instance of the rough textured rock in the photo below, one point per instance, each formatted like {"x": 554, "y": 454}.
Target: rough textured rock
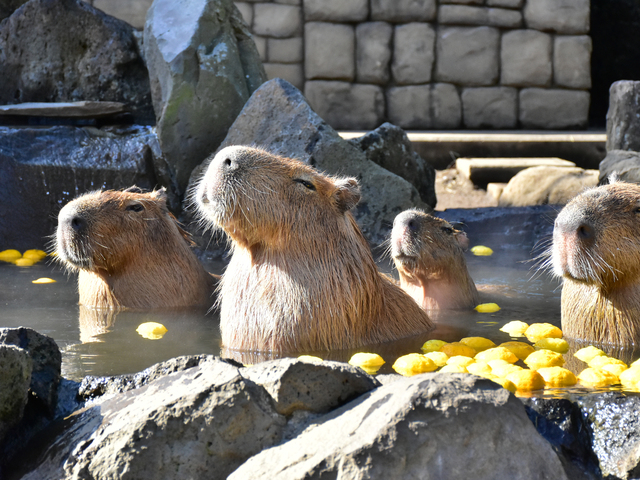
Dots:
{"x": 202, "y": 422}
{"x": 572, "y": 61}
{"x": 66, "y": 50}
{"x": 553, "y": 108}
{"x": 15, "y": 378}
{"x": 526, "y": 58}
{"x": 625, "y": 164}
{"x": 428, "y": 426}
{"x": 41, "y": 169}
{"x": 329, "y": 51}
{"x": 390, "y": 147}
{"x": 424, "y": 106}
{"x": 278, "y": 119}
{"x": 373, "y": 52}
{"x": 413, "y": 53}
{"x": 403, "y": 11}
{"x": 560, "y": 16}
{"x": 203, "y": 66}
{"x": 546, "y": 185}
{"x": 46, "y": 363}
{"x": 623, "y": 117}
{"x": 336, "y": 10}
{"x": 314, "y": 387}
{"x": 490, "y": 107}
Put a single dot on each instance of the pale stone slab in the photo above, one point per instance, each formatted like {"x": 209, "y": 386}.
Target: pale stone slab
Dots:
{"x": 490, "y": 107}
{"x": 482, "y": 171}
{"x": 346, "y": 105}
{"x": 470, "y": 15}
{"x": 291, "y": 72}
{"x": 336, "y": 10}
{"x": 551, "y": 108}
{"x": 561, "y": 16}
{"x": 261, "y": 46}
{"x": 274, "y": 20}
{"x": 403, "y": 11}
{"x": 526, "y": 58}
{"x": 413, "y": 53}
{"x": 246, "y": 10}
{"x": 285, "y": 50}
{"x": 445, "y": 106}
{"x": 329, "y": 51}
{"x": 64, "y": 109}
{"x": 373, "y": 52}
{"x": 424, "y": 106}
{"x": 572, "y": 61}
{"x": 464, "y": 2}
{"x": 505, "y": 3}
{"x": 468, "y": 56}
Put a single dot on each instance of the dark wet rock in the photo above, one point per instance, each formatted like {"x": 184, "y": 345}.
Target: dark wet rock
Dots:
{"x": 15, "y": 378}
{"x": 199, "y": 423}
{"x": 66, "y": 50}
{"x": 390, "y": 147}
{"x": 315, "y": 387}
{"x": 41, "y": 169}
{"x": 278, "y": 119}
{"x": 203, "y": 67}
{"x": 445, "y": 426}
{"x": 623, "y": 117}
{"x": 625, "y": 164}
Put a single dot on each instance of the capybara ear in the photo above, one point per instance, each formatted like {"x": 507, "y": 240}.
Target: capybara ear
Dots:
{"x": 160, "y": 194}
{"x": 462, "y": 239}
{"x": 133, "y": 189}
{"x": 347, "y": 193}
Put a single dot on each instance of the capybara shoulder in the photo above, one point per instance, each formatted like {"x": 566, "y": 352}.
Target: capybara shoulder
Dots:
{"x": 130, "y": 252}
{"x": 428, "y": 253}
{"x": 596, "y": 249}
{"x": 301, "y": 276}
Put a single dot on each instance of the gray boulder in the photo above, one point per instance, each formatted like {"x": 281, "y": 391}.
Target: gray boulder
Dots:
{"x": 66, "y": 50}
{"x": 278, "y": 119}
{"x": 623, "y": 117}
{"x": 625, "y": 164}
{"x": 15, "y": 378}
{"x": 203, "y": 67}
{"x": 444, "y": 426}
{"x": 41, "y": 169}
{"x": 390, "y": 147}
{"x": 199, "y": 423}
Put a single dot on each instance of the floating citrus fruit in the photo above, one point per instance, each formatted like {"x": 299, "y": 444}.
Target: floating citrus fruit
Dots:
{"x": 456, "y": 348}
{"x": 439, "y": 358}
{"x": 515, "y": 328}
{"x": 481, "y": 251}
{"x": 594, "y": 377}
{"x": 44, "y": 280}
{"x": 433, "y": 345}
{"x": 557, "y": 377}
{"x": 544, "y": 358}
{"x": 538, "y": 331}
{"x": 487, "y": 308}
{"x": 554, "y": 344}
{"x": 478, "y": 343}
{"x": 497, "y": 353}
{"x": 520, "y": 349}
{"x": 10, "y": 255}
{"x": 413, "y": 364}
{"x": 151, "y": 330}
{"x": 526, "y": 379}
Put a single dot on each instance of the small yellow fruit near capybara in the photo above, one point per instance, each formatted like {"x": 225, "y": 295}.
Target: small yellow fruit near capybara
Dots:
{"x": 520, "y": 349}
{"x": 43, "y": 280}
{"x": 497, "y": 362}
{"x": 413, "y": 364}
{"x": 497, "y": 353}
{"x": 615, "y": 368}
{"x": 487, "y": 308}
{"x": 35, "y": 255}
{"x": 479, "y": 344}
{"x": 456, "y": 348}
{"x": 479, "y": 368}
{"x": 481, "y": 251}
{"x": 310, "y": 358}
{"x": 366, "y": 360}
{"x": 594, "y": 377}
{"x": 635, "y": 364}
{"x": 151, "y": 330}
{"x": 454, "y": 369}
{"x": 515, "y": 328}
{"x": 600, "y": 361}
{"x": 439, "y": 358}
{"x": 544, "y": 358}
{"x": 460, "y": 360}
{"x": 433, "y": 345}
{"x": 504, "y": 383}
{"x": 526, "y": 380}
{"x": 554, "y": 344}
{"x": 504, "y": 370}
{"x": 556, "y": 377}
{"x": 10, "y": 256}
{"x": 24, "y": 262}
{"x": 586, "y": 354}
{"x": 630, "y": 376}
{"x": 538, "y": 331}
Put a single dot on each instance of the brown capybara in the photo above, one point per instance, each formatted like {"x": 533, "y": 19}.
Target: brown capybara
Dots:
{"x": 596, "y": 249}
{"x": 428, "y": 253}
{"x": 301, "y": 276}
{"x": 130, "y": 252}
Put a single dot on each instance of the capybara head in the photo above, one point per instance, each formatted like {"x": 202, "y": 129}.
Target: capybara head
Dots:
{"x": 302, "y": 276}
{"x": 596, "y": 249}
{"x": 130, "y": 252}
{"x": 428, "y": 253}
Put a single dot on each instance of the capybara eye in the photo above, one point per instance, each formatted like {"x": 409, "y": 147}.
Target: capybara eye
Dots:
{"x": 135, "y": 207}
{"x": 309, "y": 185}
{"x": 447, "y": 230}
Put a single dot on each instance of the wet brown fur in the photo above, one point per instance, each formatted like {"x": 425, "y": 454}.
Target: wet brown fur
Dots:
{"x": 428, "y": 253}
{"x": 301, "y": 276}
{"x": 600, "y": 265}
{"x": 130, "y": 252}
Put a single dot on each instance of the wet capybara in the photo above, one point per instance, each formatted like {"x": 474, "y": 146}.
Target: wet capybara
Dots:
{"x": 428, "y": 253}
{"x": 596, "y": 249}
{"x": 301, "y": 276}
{"x": 130, "y": 252}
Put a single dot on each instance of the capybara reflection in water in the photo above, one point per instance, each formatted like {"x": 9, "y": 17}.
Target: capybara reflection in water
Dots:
{"x": 130, "y": 252}
{"x": 428, "y": 253}
{"x": 301, "y": 276}
{"x": 596, "y": 249}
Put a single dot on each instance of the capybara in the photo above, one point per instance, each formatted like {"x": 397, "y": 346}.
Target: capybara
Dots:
{"x": 301, "y": 276}
{"x": 596, "y": 249}
{"x": 130, "y": 252}
{"x": 428, "y": 253}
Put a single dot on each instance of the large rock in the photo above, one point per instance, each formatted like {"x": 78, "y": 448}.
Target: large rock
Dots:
{"x": 413, "y": 53}
{"x": 66, "y": 50}
{"x": 430, "y": 426}
{"x": 202, "y": 422}
{"x": 390, "y": 147}
{"x": 15, "y": 378}
{"x": 278, "y": 118}
{"x": 625, "y": 164}
{"x": 559, "y": 16}
{"x": 329, "y": 51}
{"x": 41, "y": 169}
{"x": 526, "y": 58}
{"x": 490, "y": 107}
{"x": 203, "y": 66}
{"x": 553, "y": 108}
{"x": 436, "y": 105}
{"x": 623, "y": 117}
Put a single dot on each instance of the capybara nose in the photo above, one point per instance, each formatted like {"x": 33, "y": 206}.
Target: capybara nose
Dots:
{"x": 78, "y": 223}
{"x": 413, "y": 225}
{"x": 579, "y": 226}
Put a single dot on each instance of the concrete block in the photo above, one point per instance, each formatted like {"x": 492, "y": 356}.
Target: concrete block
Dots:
{"x": 329, "y": 51}
{"x": 373, "y": 52}
{"x": 572, "y": 61}
{"x": 403, "y": 11}
{"x": 274, "y": 20}
{"x": 336, "y": 10}
{"x": 470, "y": 15}
{"x": 505, "y": 3}
{"x": 285, "y": 50}
{"x": 246, "y": 10}
{"x": 413, "y": 53}
{"x": 553, "y": 109}
{"x": 560, "y": 16}
{"x": 482, "y": 171}
{"x": 526, "y": 58}
{"x": 490, "y": 107}
{"x": 291, "y": 72}
{"x": 261, "y": 46}
{"x": 424, "y": 106}
{"x": 134, "y": 13}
